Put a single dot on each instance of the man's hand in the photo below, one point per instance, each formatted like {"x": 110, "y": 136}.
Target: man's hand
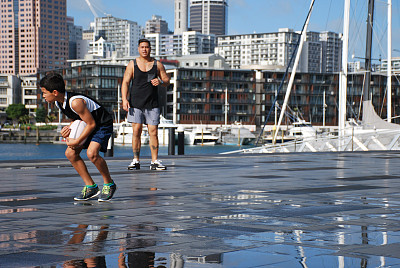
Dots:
{"x": 125, "y": 105}
{"x": 156, "y": 81}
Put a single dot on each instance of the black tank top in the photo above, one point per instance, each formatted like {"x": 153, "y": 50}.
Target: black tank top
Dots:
{"x": 100, "y": 114}
{"x": 143, "y": 94}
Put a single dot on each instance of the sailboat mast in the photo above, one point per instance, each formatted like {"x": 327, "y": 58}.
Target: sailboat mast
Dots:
{"x": 389, "y": 64}
{"x": 343, "y": 73}
{"x": 370, "y": 23}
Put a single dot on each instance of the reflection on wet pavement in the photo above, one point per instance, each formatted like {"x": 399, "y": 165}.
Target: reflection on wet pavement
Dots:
{"x": 289, "y": 210}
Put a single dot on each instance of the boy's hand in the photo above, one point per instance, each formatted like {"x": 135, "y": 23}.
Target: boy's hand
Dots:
{"x": 65, "y": 131}
{"x": 73, "y": 144}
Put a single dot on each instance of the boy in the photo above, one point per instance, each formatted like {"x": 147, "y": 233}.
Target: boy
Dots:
{"x": 99, "y": 127}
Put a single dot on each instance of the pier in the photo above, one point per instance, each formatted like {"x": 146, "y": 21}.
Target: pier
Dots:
{"x": 253, "y": 210}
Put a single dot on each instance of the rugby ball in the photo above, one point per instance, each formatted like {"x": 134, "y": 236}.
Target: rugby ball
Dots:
{"x": 77, "y": 128}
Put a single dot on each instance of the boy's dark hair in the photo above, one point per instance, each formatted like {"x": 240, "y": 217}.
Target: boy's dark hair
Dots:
{"x": 53, "y": 81}
{"x": 144, "y": 41}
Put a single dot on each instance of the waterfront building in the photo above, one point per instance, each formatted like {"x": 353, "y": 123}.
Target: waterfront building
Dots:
{"x": 181, "y": 16}
{"x": 125, "y": 34}
{"x": 96, "y": 78}
{"x": 75, "y": 35}
{"x": 197, "y": 94}
{"x": 156, "y": 25}
{"x": 209, "y": 16}
{"x": 34, "y": 36}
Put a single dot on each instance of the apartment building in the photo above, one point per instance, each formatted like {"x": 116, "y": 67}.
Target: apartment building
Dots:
{"x": 269, "y": 49}
{"x": 187, "y": 43}
{"x": 34, "y": 36}
{"x": 125, "y": 34}
{"x": 321, "y": 51}
{"x": 156, "y": 25}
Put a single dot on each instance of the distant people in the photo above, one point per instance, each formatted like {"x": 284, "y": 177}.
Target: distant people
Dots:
{"x": 141, "y": 102}
{"x": 99, "y": 127}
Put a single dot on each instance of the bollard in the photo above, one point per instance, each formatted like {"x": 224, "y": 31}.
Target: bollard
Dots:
{"x": 181, "y": 142}
{"x": 110, "y": 147}
{"x": 171, "y": 143}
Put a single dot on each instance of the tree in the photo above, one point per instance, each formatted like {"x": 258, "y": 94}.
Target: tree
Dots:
{"x": 41, "y": 115}
{"x": 15, "y": 111}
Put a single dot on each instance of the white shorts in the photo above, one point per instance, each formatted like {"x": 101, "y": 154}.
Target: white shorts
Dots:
{"x": 144, "y": 116}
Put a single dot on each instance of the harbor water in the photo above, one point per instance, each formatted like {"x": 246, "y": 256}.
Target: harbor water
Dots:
{"x": 31, "y": 151}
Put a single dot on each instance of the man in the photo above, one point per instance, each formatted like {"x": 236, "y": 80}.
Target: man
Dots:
{"x": 141, "y": 102}
{"x": 94, "y": 137}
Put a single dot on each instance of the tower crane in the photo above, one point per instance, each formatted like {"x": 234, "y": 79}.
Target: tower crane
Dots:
{"x": 92, "y": 9}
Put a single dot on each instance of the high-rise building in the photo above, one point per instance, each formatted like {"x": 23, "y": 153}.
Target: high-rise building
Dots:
{"x": 34, "y": 36}
{"x": 209, "y": 16}
{"x": 75, "y": 34}
{"x": 156, "y": 25}
{"x": 125, "y": 34}
{"x": 181, "y": 16}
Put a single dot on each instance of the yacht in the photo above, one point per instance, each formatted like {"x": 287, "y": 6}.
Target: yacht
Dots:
{"x": 201, "y": 136}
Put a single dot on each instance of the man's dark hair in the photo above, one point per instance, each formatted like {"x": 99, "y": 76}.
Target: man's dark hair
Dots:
{"x": 144, "y": 41}
{"x": 53, "y": 81}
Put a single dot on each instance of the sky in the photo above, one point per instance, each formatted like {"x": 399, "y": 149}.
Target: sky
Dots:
{"x": 263, "y": 16}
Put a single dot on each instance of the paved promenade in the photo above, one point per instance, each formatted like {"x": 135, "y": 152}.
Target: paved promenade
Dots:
{"x": 283, "y": 210}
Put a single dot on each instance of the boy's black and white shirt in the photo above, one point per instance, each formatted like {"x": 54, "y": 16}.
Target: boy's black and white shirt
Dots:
{"x": 99, "y": 113}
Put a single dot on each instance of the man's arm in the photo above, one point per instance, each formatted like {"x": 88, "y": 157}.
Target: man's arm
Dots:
{"x": 163, "y": 74}
{"x": 79, "y": 106}
{"x": 128, "y": 76}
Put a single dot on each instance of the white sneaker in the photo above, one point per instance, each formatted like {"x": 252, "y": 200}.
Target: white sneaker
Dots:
{"x": 156, "y": 165}
{"x": 135, "y": 164}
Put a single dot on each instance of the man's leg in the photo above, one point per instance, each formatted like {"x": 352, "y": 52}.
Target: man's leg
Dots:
{"x": 136, "y": 142}
{"x": 153, "y": 133}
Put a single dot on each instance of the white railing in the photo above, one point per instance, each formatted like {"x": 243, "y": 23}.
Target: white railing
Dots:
{"x": 373, "y": 140}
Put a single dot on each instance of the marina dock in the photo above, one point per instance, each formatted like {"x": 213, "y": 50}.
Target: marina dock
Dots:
{"x": 253, "y": 210}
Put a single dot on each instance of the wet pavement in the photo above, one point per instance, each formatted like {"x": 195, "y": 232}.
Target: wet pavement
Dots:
{"x": 283, "y": 210}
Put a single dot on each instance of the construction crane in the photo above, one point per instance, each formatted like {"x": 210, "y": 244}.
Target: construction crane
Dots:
{"x": 92, "y": 9}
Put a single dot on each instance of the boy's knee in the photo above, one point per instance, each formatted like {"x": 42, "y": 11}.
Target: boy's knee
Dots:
{"x": 93, "y": 155}
{"x": 70, "y": 154}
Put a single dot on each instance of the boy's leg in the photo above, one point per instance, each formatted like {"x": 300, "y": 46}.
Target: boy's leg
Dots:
{"x": 77, "y": 162}
{"x": 94, "y": 156}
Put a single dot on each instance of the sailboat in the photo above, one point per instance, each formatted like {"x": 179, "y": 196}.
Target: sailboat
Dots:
{"x": 371, "y": 122}
{"x": 373, "y": 133}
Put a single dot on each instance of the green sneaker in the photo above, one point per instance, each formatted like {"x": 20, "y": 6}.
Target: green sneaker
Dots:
{"x": 107, "y": 192}
{"x": 87, "y": 193}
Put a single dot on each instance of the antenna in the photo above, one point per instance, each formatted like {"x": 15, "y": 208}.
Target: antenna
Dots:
{"x": 92, "y": 9}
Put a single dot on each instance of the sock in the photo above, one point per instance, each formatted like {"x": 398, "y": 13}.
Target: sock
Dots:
{"x": 92, "y": 186}
{"x": 109, "y": 184}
